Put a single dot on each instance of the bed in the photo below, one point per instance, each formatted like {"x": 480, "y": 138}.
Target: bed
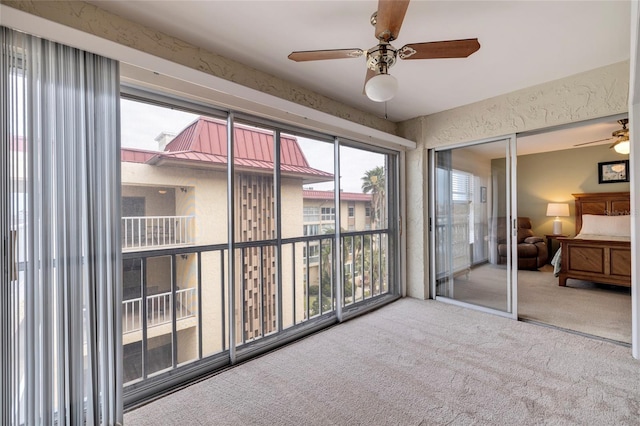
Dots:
{"x": 601, "y": 250}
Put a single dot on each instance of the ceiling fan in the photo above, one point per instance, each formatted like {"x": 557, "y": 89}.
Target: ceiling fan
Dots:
{"x": 380, "y": 86}
{"x": 620, "y": 136}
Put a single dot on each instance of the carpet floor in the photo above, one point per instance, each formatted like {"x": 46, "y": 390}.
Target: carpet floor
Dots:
{"x": 417, "y": 362}
{"x": 596, "y": 309}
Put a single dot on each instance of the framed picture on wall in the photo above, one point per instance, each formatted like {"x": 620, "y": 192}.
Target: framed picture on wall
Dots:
{"x": 613, "y": 171}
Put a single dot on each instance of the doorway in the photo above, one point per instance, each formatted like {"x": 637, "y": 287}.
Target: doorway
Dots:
{"x": 552, "y": 165}
{"x": 471, "y": 209}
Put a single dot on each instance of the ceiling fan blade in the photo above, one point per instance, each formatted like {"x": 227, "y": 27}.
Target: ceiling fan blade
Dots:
{"x": 319, "y": 55}
{"x": 589, "y": 143}
{"x": 370, "y": 73}
{"x": 439, "y": 49}
{"x": 389, "y": 18}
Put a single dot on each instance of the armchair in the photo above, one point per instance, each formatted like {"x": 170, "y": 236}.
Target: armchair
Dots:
{"x": 532, "y": 250}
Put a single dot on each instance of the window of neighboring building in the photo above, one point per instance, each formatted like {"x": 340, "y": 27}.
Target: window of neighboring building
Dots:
{"x": 367, "y": 211}
{"x": 311, "y": 214}
{"x": 352, "y": 211}
{"x": 328, "y": 213}
{"x": 313, "y": 255}
{"x": 311, "y": 230}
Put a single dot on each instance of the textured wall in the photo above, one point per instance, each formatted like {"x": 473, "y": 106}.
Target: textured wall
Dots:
{"x": 597, "y": 93}
{"x": 416, "y": 205}
{"x": 93, "y": 20}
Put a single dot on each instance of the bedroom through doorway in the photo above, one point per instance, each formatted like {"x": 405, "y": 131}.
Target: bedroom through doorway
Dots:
{"x": 553, "y": 166}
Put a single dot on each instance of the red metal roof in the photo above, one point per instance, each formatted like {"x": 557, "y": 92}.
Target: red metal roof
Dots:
{"x": 208, "y": 135}
{"x": 311, "y": 194}
{"x": 204, "y": 142}
{"x": 131, "y": 155}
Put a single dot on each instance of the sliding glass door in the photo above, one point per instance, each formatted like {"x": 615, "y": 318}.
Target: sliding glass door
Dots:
{"x": 471, "y": 222}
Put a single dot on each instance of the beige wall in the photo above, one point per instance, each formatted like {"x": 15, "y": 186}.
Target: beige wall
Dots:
{"x": 203, "y": 193}
{"x": 554, "y": 176}
{"x": 593, "y": 94}
{"x": 205, "y": 196}
{"x": 156, "y": 204}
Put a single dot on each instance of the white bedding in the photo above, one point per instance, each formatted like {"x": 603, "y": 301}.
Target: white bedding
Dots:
{"x": 556, "y": 262}
{"x": 582, "y": 236}
{"x": 613, "y": 226}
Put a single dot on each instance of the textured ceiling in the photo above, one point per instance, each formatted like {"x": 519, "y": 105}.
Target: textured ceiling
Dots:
{"x": 524, "y": 43}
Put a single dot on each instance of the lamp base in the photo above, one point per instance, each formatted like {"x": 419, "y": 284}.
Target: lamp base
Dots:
{"x": 557, "y": 227}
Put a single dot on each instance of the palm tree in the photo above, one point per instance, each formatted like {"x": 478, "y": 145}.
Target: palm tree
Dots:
{"x": 374, "y": 182}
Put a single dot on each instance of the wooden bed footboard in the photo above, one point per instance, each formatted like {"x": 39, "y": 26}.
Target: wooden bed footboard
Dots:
{"x": 607, "y": 262}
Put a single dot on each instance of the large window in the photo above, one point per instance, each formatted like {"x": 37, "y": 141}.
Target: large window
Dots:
{"x": 180, "y": 307}
{"x": 364, "y": 183}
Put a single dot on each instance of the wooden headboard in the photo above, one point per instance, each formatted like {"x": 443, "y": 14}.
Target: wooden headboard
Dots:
{"x": 601, "y": 203}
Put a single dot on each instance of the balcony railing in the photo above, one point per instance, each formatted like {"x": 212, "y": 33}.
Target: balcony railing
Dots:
{"x": 157, "y": 231}
{"x": 156, "y": 343}
{"x": 159, "y": 308}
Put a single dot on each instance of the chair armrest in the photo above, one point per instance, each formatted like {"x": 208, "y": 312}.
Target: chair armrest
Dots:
{"x": 533, "y": 240}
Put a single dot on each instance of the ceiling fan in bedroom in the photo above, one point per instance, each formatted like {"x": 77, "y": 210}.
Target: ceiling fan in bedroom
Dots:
{"x": 619, "y": 137}
{"x": 380, "y": 86}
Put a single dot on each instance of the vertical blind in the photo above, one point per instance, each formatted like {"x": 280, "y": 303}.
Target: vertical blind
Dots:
{"x": 60, "y": 310}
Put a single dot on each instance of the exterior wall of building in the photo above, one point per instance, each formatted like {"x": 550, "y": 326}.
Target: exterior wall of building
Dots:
{"x": 597, "y": 93}
{"x": 210, "y": 208}
{"x": 202, "y": 193}
{"x": 360, "y": 220}
{"x": 156, "y": 204}
{"x": 256, "y": 267}
{"x": 292, "y": 221}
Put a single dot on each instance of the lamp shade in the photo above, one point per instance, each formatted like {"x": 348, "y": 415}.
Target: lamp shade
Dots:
{"x": 558, "y": 209}
{"x": 381, "y": 87}
{"x": 622, "y": 147}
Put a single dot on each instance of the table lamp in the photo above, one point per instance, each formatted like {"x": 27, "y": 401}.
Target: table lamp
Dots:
{"x": 557, "y": 210}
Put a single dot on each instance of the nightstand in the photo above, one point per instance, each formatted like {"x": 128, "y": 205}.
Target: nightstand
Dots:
{"x": 550, "y": 238}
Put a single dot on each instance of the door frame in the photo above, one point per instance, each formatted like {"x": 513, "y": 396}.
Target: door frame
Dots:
{"x": 512, "y": 214}
{"x": 634, "y": 134}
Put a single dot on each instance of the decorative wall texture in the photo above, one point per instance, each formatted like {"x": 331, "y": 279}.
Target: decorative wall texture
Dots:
{"x": 596, "y": 93}
{"x": 416, "y": 199}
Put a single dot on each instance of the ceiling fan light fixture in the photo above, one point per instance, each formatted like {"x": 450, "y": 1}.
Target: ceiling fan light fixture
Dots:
{"x": 622, "y": 146}
{"x": 381, "y": 88}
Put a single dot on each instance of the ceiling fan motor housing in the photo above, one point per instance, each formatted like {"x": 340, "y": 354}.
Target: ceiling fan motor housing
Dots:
{"x": 381, "y": 57}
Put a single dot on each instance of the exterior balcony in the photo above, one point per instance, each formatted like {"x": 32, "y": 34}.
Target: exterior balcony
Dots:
{"x": 159, "y": 308}
{"x": 152, "y": 232}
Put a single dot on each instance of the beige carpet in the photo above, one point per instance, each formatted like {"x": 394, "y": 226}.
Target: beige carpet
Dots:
{"x": 418, "y": 363}
{"x": 596, "y": 309}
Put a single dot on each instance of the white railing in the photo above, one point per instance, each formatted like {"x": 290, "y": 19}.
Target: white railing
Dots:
{"x": 157, "y": 231}
{"x": 158, "y": 309}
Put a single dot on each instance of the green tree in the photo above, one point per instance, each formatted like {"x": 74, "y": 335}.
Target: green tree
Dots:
{"x": 327, "y": 273}
{"x": 374, "y": 182}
